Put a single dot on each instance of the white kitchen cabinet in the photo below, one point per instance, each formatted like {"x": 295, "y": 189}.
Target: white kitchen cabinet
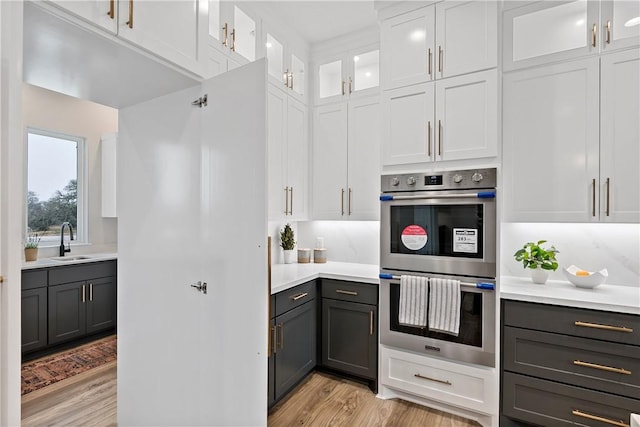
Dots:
{"x": 108, "y": 143}
{"x": 451, "y": 119}
{"x": 544, "y": 32}
{"x": 218, "y": 63}
{"x": 355, "y": 73}
{"x": 234, "y": 30}
{"x": 438, "y": 41}
{"x": 102, "y": 13}
{"x": 620, "y": 136}
{"x": 346, "y": 160}
{"x": 286, "y": 67}
{"x": 287, "y": 156}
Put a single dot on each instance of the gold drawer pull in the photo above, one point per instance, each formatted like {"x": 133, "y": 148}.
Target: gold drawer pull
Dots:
{"x": 606, "y": 327}
{"x": 601, "y": 419}
{"x": 352, "y": 293}
{"x": 601, "y": 367}
{"x": 432, "y": 379}
{"x": 297, "y": 297}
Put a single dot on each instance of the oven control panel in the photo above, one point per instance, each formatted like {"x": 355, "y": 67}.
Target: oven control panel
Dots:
{"x": 446, "y": 180}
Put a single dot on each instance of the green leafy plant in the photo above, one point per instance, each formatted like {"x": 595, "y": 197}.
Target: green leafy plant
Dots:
{"x": 32, "y": 242}
{"x": 533, "y": 255}
{"x": 287, "y": 241}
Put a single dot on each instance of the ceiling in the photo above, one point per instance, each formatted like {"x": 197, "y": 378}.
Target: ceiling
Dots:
{"x": 320, "y": 20}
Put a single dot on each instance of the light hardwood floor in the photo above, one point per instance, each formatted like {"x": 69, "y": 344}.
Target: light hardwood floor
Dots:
{"x": 89, "y": 399}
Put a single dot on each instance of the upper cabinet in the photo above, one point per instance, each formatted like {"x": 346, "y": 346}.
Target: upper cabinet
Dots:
{"x": 438, "y": 41}
{"x": 286, "y": 66}
{"x": 544, "y": 32}
{"x": 352, "y": 74}
{"x": 169, "y": 29}
{"x": 233, "y": 29}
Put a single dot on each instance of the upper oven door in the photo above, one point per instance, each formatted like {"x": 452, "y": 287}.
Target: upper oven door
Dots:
{"x": 439, "y": 232}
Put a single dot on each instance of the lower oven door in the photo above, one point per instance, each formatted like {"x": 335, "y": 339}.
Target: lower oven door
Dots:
{"x": 475, "y": 342}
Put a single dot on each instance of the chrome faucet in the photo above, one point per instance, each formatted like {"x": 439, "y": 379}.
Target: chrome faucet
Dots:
{"x": 64, "y": 249}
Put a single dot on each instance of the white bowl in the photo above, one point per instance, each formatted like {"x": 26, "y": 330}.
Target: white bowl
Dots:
{"x": 594, "y": 278}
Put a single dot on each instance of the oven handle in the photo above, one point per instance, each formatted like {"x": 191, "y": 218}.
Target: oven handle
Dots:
{"x": 479, "y": 285}
{"x": 478, "y": 195}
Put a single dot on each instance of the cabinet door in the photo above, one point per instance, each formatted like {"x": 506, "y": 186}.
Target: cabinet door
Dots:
{"x": 330, "y": 162}
{"x": 620, "y": 133}
{"x": 296, "y": 347}
{"x": 34, "y": 319}
{"x": 408, "y": 126}
{"x": 331, "y": 83}
{"x": 216, "y": 62}
{"x": 297, "y": 166}
{"x": 276, "y": 154}
{"x": 297, "y": 80}
{"x": 467, "y": 117}
{"x": 67, "y": 312}
{"x": 544, "y": 32}
{"x": 550, "y": 142}
{"x": 466, "y": 37}
{"x": 407, "y": 43}
{"x": 364, "y": 159}
{"x": 167, "y": 28}
{"x": 102, "y": 13}
{"x": 274, "y": 51}
{"x": 101, "y": 304}
{"x": 620, "y": 24}
{"x": 350, "y": 337}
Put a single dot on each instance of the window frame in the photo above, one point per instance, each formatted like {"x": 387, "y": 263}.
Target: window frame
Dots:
{"x": 81, "y": 235}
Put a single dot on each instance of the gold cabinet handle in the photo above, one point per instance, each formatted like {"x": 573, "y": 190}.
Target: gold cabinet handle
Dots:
{"x": 605, "y": 327}
{"x": 112, "y": 9}
{"x": 350, "y": 85}
{"x": 429, "y": 61}
{"x": 432, "y": 379}
{"x": 297, "y": 297}
{"x": 233, "y": 40}
{"x": 608, "y": 199}
{"x": 371, "y": 323}
{"x": 593, "y": 198}
{"x": 352, "y": 293}
{"x": 429, "y": 138}
{"x": 130, "y": 21}
{"x": 440, "y": 138}
{"x": 286, "y": 200}
{"x": 286, "y": 78}
{"x": 440, "y": 66}
{"x": 601, "y": 367}
{"x": 597, "y": 418}
{"x": 594, "y": 35}
{"x": 90, "y": 291}
{"x": 343, "y": 83}
{"x": 1, "y": 279}
{"x": 225, "y": 39}
{"x": 83, "y": 294}
{"x": 342, "y": 202}
{"x": 272, "y": 341}
{"x": 290, "y": 200}
{"x": 349, "y": 202}
{"x": 608, "y": 39}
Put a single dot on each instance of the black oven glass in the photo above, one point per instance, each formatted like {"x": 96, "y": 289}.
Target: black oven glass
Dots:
{"x": 440, "y": 230}
{"x": 470, "y": 319}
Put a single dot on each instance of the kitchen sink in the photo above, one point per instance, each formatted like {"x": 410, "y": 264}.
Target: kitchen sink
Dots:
{"x": 71, "y": 258}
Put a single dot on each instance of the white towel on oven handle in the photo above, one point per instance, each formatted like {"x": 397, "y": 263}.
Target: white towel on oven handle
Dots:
{"x": 444, "y": 306}
{"x": 414, "y": 299}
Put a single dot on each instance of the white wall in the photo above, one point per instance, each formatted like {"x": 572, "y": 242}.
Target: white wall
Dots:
{"x": 44, "y": 109}
{"x": 592, "y": 247}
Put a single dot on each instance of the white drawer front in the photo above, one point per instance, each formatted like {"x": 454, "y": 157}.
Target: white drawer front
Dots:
{"x": 452, "y": 383}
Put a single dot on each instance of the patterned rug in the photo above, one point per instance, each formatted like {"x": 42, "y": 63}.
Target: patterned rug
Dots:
{"x": 57, "y": 367}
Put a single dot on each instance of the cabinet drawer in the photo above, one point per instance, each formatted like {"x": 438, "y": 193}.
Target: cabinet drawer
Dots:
{"x": 579, "y": 322}
{"x": 550, "y": 404}
{"x": 291, "y": 298}
{"x": 32, "y": 279}
{"x": 81, "y": 272}
{"x": 609, "y": 367}
{"x": 453, "y": 383}
{"x": 350, "y": 291}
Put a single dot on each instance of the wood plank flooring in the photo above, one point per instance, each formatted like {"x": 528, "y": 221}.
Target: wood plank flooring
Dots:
{"x": 89, "y": 399}
{"x": 324, "y": 400}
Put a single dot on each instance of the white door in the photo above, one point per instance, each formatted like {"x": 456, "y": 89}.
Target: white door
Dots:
{"x": 191, "y": 193}
{"x": 620, "y": 133}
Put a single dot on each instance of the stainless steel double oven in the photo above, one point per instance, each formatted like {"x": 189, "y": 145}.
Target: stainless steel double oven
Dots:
{"x": 441, "y": 225}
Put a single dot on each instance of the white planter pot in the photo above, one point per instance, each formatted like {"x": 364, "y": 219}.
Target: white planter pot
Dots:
{"x": 539, "y": 276}
{"x": 289, "y": 256}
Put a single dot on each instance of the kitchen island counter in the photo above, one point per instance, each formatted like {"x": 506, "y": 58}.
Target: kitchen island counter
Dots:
{"x": 285, "y": 276}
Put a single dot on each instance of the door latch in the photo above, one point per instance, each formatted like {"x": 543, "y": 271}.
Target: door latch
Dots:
{"x": 200, "y": 286}
{"x": 200, "y": 102}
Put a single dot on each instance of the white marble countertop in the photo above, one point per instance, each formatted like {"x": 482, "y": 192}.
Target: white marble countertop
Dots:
{"x": 52, "y": 262}
{"x": 285, "y": 276}
{"x": 621, "y": 299}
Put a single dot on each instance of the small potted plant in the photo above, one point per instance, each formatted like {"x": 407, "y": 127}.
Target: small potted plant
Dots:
{"x": 31, "y": 247}
{"x": 533, "y": 256}
{"x": 287, "y": 242}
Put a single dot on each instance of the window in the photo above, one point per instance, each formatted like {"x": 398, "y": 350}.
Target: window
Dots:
{"x": 55, "y": 185}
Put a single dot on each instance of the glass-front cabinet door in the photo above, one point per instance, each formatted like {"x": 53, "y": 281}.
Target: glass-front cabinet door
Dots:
{"x": 620, "y": 24}
{"x": 243, "y": 35}
{"x": 297, "y": 79}
{"x": 366, "y": 71}
{"x": 274, "y": 51}
{"x": 330, "y": 82}
{"x": 353, "y": 74}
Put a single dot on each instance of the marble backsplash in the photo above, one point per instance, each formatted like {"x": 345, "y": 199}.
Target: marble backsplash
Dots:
{"x": 593, "y": 247}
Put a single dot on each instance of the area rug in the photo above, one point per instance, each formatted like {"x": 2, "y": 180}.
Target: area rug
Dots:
{"x": 57, "y": 367}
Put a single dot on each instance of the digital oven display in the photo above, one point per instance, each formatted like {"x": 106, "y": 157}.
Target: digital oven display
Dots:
{"x": 433, "y": 180}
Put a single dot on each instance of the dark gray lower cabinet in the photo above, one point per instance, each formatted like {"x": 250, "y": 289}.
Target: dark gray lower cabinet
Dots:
{"x": 67, "y": 312}
{"x": 34, "y": 319}
{"x": 101, "y": 304}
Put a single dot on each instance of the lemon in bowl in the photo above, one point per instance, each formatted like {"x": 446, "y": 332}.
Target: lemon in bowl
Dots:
{"x": 584, "y": 278}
